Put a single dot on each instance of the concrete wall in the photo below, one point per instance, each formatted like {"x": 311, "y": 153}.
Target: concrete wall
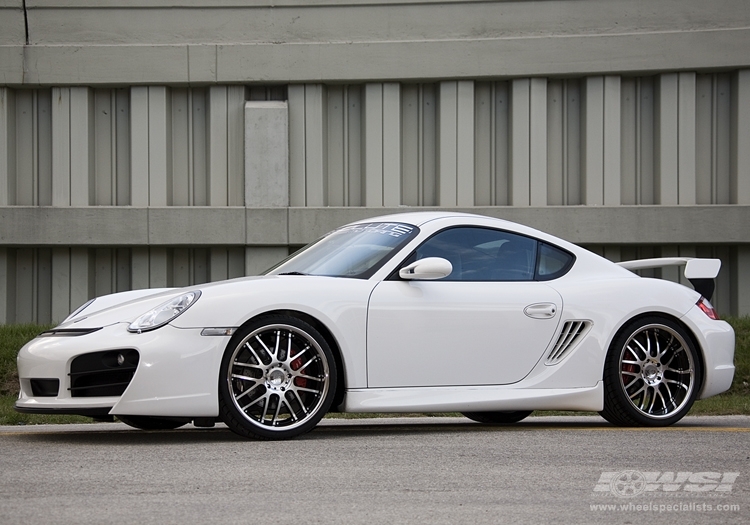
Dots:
{"x": 228, "y": 41}
{"x": 153, "y": 143}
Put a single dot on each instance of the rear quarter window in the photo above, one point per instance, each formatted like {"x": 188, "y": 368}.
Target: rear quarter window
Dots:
{"x": 553, "y": 262}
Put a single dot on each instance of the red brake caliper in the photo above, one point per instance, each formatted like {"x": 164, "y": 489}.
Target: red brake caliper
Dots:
{"x": 298, "y": 381}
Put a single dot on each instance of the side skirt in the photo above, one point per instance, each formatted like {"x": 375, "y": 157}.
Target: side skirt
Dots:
{"x": 473, "y": 399}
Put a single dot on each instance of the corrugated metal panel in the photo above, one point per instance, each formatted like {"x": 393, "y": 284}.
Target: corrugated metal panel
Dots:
{"x": 563, "y": 142}
{"x": 418, "y": 144}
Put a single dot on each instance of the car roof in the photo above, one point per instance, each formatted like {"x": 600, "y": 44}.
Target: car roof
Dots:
{"x": 419, "y": 218}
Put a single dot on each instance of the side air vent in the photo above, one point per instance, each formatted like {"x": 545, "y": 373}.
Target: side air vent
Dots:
{"x": 571, "y": 335}
{"x": 102, "y": 374}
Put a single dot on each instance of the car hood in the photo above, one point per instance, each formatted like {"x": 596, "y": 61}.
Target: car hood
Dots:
{"x": 222, "y": 303}
{"x": 125, "y": 307}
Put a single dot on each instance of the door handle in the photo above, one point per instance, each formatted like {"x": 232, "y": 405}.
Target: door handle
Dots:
{"x": 541, "y": 310}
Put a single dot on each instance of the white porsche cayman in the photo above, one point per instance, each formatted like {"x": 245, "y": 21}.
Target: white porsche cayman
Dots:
{"x": 417, "y": 312}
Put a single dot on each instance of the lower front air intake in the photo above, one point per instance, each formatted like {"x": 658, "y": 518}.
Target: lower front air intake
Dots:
{"x": 102, "y": 374}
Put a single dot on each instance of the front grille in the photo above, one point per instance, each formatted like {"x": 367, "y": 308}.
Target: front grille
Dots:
{"x": 45, "y": 387}
{"x": 102, "y": 374}
{"x": 572, "y": 332}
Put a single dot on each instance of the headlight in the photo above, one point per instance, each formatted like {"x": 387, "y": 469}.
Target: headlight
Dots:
{"x": 164, "y": 313}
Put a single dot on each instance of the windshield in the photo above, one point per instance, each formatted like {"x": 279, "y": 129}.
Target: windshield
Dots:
{"x": 357, "y": 250}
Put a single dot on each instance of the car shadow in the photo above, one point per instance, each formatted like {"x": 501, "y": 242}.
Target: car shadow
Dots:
{"x": 328, "y": 429}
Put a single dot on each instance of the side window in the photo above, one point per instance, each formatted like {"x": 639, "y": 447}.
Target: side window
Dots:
{"x": 553, "y": 262}
{"x": 482, "y": 254}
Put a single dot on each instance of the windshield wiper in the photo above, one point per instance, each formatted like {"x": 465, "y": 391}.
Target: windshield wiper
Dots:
{"x": 292, "y": 273}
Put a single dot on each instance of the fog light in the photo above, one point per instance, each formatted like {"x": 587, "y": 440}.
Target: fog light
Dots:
{"x": 120, "y": 359}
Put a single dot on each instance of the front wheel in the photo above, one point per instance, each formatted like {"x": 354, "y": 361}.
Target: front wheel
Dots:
{"x": 652, "y": 374}
{"x": 277, "y": 379}
{"x": 498, "y": 418}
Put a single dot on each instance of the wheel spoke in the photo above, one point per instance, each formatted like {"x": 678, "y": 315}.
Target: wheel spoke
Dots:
{"x": 667, "y": 346}
{"x": 255, "y": 354}
{"x": 653, "y": 400}
{"x": 263, "y": 344}
{"x": 244, "y": 378}
{"x": 636, "y": 377}
{"x": 278, "y": 342}
{"x": 680, "y": 384}
{"x": 312, "y": 359}
{"x": 663, "y": 401}
{"x": 299, "y": 354}
{"x": 635, "y": 354}
{"x": 303, "y": 389}
{"x": 312, "y": 378}
{"x": 265, "y": 408}
{"x": 251, "y": 403}
{"x": 246, "y": 365}
{"x": 299, "y": 400}
{"x": 644, "y": 397}
{"x": 642, "y": 389}
{"x": 278, "y": 409}
{"x": 288, "y": 349}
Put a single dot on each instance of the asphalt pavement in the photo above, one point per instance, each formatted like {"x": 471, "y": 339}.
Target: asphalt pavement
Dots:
{"x": 390, "y": 471}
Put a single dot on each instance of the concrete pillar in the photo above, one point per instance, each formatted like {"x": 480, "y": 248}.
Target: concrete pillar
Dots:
{"x": 266, "y": 154}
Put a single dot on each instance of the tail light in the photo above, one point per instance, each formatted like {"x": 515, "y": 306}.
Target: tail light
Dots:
{"x": 707, "y": 308}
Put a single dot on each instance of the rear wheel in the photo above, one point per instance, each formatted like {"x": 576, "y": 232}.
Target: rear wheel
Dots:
{"x": 652, "y": 374}
{"x": 498, "y": 418}
{"x": 277, "y": 379}
{"x": 151, "y": 423}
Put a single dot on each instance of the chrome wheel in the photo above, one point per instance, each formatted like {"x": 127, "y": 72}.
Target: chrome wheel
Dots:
{"x": 278, "y": 380}
{"x": 653, "y": 374}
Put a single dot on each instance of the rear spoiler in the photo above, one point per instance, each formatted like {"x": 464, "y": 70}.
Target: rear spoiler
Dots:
{"x": 700, "y": 272}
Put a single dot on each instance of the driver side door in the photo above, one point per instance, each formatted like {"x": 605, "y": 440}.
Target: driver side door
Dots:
{"x": 487, "y": 323}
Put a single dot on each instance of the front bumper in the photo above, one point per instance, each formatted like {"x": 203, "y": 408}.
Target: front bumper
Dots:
{"x": 176, "y": 375}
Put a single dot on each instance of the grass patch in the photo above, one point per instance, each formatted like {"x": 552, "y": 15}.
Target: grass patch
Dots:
{"x": 12, "y": 337}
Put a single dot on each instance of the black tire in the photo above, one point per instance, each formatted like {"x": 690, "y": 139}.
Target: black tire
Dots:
{"x": 652, "y": 374}
{"x": 498, "y": 418}
{"x": 151, "y": 423}
{"x": 277, "y": 379}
